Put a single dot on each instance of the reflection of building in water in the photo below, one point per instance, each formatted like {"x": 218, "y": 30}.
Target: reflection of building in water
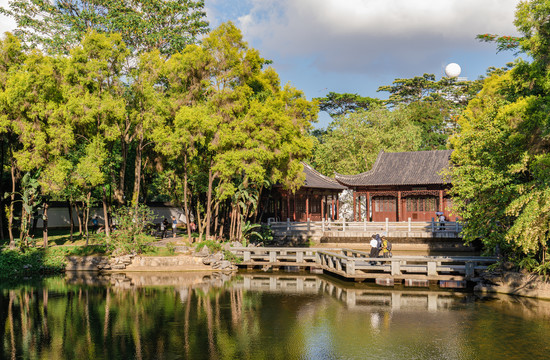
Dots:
{"x": 356, "y": 297}
{"x": 362, "y": 298}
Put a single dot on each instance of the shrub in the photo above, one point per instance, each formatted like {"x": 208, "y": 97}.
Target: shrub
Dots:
{"x": 130, "y": 233}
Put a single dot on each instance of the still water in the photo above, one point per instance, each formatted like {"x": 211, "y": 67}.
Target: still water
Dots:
{"x": 261, "y": 316}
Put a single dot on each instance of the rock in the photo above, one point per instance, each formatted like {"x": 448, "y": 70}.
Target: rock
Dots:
{"x": 224, "y": 264}
{"x": 119, "y": 267}
{"x": 181, "y": 249}
{"x": 205, "y": 251}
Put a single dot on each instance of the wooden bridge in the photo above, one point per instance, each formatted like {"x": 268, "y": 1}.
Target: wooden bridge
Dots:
{"x": 353, "y": 297}
{"x": 358, "y": 266}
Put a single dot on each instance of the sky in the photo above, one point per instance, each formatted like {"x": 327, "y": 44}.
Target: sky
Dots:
{"x": 355, "y": 46}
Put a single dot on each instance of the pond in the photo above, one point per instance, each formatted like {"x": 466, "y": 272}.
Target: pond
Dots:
{"x": 261, "y": 316}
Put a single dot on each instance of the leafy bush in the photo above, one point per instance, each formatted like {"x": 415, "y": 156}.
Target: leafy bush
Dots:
{"x": 212, "y": 245}
{"x": 33, "y": 261}
{"x": 130, "y": 235}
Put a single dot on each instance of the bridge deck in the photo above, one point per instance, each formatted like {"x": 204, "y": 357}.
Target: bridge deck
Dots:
{"x": 358, "y": 266}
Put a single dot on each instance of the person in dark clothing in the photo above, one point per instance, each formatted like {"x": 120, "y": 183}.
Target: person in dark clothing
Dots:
{"x": 163, "y": 227}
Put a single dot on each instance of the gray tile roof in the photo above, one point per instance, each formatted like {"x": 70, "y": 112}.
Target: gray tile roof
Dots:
{"x": 402, "y": 168}
{"x": 315, "y": 179}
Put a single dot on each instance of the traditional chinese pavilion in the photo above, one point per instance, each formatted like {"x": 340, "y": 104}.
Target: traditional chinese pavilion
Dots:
{"x": 317, "y": 199}
{"x": 400, "y": 186}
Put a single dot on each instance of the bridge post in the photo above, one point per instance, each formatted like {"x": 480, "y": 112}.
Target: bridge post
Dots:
{"x": 409, "y": 224}
{"x": 350, "y": 267}
{"x": 299, "y": 256}
{"x": 246, "y": 255}
{"x": 272, "y": 256}
{"x": 433, "y": 225}
{"x": 308, "y": 224}
{"x": 469, "y": 268}
{"x": 396, "y": 267}
{"x": 432, "y": 268}
{"x": 387, "y": 226}
{"x": 323, "y": 225}
{"x": 344, "y": 223}
{"x": 287, "y": 224}
{"x": 456, "y": 225}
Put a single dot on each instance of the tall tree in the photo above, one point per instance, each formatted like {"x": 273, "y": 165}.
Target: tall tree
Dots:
{"x": 145, "y": 25}
{"x": 353, "y": 142}
{"x": 502, "y": 157}
{"x": 434, "y": 105}
{"x": 336, "y": 104}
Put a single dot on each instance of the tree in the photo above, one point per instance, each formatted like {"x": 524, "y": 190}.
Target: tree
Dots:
{"x": 353, "y": 142}
{"x": 434, "y": 105}
{"x": 340, "y": 104}
{"x": 58, "y": 26}
{"x": 502, "y": 157}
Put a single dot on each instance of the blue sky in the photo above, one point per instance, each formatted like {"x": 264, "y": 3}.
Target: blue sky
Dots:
{"x": 356, "y": 46}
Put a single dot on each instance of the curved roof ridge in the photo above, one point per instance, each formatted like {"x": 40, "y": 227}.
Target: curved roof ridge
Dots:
{"x": 402, "y": 168}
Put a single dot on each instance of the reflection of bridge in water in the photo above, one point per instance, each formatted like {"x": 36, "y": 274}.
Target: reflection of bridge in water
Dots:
{"x": 355, "y": 296}
{"x": 360, "y": 298}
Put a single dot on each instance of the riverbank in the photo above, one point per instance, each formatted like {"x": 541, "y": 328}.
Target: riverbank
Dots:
{"x": 514, "y": 283}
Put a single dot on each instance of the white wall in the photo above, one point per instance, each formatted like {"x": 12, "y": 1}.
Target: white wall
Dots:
{"x": 59, "y": 216}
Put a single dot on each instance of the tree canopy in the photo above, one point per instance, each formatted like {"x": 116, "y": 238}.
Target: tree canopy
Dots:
{"x": 144, "y": 25}
{"x": 502, "y": 157}
{"x": 353, "y": 142}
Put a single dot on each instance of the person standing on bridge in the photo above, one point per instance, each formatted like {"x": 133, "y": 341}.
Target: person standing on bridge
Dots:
{"x": 374, "y": 247}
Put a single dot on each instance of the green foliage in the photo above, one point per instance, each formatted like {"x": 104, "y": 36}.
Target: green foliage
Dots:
{"x": 212, "y": 245}
{"x": 502, "y": 157}
{"x": 16, "y": 263}
{"x": 130, "y": 234}
{"x": 341, "y": 104}
{"x": 60, "y": 25}
{"x": 353, "y": 142}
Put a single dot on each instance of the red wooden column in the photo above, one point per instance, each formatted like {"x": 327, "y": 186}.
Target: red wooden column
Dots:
{"x": 332, "y": 208}
{"x": 368, "y": 206}
{"x": 294, "y": 208}
{"x": 399, "y": 206}
{"x": 354, "y": 206}
{"x": 287, "y": 205}
{"x": 441, "y": 201}
{"x": 359, "y": 207}
{"x": 307, "y": 206}
{"x": 337, "y": 207}
{"x": 322, "y": 207}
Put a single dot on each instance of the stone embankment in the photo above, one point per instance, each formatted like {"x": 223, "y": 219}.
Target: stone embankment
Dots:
{"x": 514, "y": 283}
{"x": 185, "y": 260}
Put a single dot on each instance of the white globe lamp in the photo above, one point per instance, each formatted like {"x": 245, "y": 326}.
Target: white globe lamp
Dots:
{"x": 452, "y": 70}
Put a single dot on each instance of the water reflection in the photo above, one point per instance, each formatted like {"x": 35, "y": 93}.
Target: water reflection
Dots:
{"x": 219, "y": 316}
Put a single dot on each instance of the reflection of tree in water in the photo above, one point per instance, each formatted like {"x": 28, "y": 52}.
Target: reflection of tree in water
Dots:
{"x": 105, "y": 322}
{"x": 206, "y": 319}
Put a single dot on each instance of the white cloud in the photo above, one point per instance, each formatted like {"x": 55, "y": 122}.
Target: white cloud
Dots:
{"x": 350, "y": 35}
{"x": 6, "y": 23}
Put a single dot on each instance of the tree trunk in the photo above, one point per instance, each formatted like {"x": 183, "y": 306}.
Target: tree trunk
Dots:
{"x": 137, "y": 172}
{"x": 119, "y": 190}
{"x": 209, "y": 203}
{"x": 87, "y": 216}
{"x": 45, "y": 224}
{"x": 106, "y": 215}
{"x": 12, "y": 198}
{"x": 216, "y": 217}
{"x": 79, "y": 217}
{"x": 185, "y": 199}
{"x": 200, "y": 224}
{"x": 71, "y": 220}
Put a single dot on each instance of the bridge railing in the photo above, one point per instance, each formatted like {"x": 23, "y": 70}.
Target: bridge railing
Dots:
{"x": 355, "y": 263}
{"x": 365, "y": 226}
